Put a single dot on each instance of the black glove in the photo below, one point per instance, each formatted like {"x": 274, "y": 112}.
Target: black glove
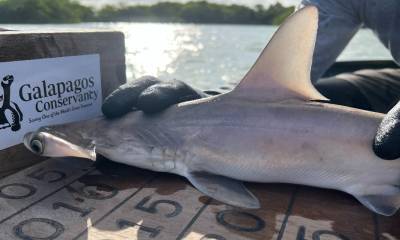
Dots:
{"x": 387, "y": 140}
{"x": 150, "y": 95}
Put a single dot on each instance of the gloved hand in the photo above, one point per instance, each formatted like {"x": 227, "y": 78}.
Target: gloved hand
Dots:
{"x": 150, "y": 95}
{"x": 387, "y": 140}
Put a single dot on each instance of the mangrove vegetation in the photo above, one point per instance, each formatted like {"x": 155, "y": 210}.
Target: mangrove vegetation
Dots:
{"x": 68, "y": 11}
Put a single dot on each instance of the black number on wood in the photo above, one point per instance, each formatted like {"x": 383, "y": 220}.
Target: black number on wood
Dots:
{"x": 96, "y": 191}
{"x": 41, "y": 175}
{"x": 31, "y": 191}
{"x": 259, "y": 223}
{"x": 301, "y": 234}
{"x": 213, "y": 237}
{"x": 83, "y": 211}
{"x": 19, "y": 232}
{"x": 153, "y": 232}
{"x": 318, "y": 234}
{"x": 152, "y": 208}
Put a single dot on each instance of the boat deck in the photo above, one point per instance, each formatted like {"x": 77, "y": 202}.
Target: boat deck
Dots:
{"x": 74, "y": 199}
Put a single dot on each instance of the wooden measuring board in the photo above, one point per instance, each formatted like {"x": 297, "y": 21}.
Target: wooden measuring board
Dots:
{"x": 76, "y": 199}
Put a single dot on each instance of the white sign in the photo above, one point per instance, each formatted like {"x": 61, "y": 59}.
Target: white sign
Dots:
{"x": 42, "y": 92}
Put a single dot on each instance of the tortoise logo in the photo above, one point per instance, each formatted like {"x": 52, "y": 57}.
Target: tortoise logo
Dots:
{"x": 10, "y": 113}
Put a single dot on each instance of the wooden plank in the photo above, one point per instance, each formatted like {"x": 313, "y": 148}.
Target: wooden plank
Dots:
{"x": 15, "y": 45}
{"x": 160, "y": 210}
{"x": 75, "y": 200}
{"x": 326, "y": 214}
{"x": 16, "y": 158}
{"x": 388, "y": 227}
{"x": 29, "y": 186}
{"x": 70, "y": 210}
{"x": 219, "y": 221}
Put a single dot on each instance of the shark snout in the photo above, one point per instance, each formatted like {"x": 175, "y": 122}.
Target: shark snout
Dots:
{"x": 34, "y": 143}
{"x": 46, "y": 144}
{"x": 27, "y": 139}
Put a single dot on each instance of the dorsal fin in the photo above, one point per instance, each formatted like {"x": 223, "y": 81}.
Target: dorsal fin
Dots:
{"x": 283, "y": 69}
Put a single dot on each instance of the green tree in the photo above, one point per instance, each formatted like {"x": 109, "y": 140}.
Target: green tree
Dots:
{"x": 43, "y": 11}
{"x": 167, "y": 11}
{"x": 196, "y": 12}
{"x": 69, "y": 11}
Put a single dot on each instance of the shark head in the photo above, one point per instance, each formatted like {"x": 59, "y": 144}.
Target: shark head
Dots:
{"x": 48, "y": 142}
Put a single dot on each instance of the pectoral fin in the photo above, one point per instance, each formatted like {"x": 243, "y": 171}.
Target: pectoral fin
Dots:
{"x": 223, "y": 189}
{"x": 386, "y": 205}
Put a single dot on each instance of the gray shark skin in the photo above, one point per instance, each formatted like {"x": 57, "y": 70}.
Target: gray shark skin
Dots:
{"x": 265, "y": 130}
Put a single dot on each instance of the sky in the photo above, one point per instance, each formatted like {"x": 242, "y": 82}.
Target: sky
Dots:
{"x": 242, "y": 2}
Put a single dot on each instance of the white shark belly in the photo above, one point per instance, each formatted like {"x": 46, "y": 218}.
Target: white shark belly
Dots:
{"x": 328, "y": 173}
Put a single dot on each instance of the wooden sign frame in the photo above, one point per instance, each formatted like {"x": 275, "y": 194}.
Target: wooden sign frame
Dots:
{"x": 17, "y": 46}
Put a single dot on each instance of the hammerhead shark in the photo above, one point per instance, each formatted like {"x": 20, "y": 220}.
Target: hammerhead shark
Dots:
{"x": 273, "y": 127}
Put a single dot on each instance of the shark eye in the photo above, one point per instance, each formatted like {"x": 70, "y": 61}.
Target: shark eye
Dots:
{"x": 37, "y": 146}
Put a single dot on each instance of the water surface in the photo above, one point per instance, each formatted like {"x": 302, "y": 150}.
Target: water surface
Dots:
{"x": 206, "y": 56}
